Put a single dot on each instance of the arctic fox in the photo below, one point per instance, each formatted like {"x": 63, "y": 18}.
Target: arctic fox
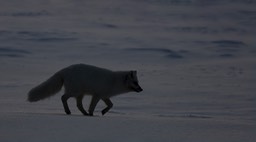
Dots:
{"x": 80, "y": 80}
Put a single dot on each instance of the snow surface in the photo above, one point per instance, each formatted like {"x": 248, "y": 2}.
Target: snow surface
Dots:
{"x": 196, "y": 61}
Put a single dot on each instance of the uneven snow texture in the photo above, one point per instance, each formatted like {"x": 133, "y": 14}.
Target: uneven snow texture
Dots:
{"x": 195, "y": 61}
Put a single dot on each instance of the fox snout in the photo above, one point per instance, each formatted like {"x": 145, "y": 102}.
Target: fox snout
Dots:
{"x": 138, "y": 89}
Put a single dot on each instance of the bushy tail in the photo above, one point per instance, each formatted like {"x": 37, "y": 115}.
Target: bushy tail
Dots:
{"x": 46, "y": 89}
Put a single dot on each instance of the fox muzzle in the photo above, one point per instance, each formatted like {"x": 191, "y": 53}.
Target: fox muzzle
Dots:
{"x": 138, "y": 89}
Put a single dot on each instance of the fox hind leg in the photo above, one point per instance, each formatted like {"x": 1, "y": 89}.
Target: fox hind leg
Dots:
{"x": 109, "y": 106}
{"x": 79, "y": 104}
{"x": 64, "y": 99}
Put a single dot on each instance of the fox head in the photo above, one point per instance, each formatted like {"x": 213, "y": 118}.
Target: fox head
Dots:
{"x": 132, "y": 81}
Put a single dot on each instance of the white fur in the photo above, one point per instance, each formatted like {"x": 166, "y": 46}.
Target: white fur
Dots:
{"x": 81, "y": 79}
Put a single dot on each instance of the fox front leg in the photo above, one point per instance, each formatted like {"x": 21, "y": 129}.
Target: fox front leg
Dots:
{"x": 79, "y": 104}
{"x": 109, "y": 106}
{"x": 93, "y": 104}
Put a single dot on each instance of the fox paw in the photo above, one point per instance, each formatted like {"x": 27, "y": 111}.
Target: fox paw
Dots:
{"x": 103, "y": 112}
{"x": 68, "y": 112}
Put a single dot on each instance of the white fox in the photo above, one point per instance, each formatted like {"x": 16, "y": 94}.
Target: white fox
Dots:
{"x": 80, "y": 80}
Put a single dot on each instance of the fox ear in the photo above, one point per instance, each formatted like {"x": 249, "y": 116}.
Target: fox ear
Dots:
{"x": 133, "y": 74}
{"x": 128, "y": 76}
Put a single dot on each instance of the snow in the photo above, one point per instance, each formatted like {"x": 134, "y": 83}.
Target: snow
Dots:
{"x": 195, "y": 61}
